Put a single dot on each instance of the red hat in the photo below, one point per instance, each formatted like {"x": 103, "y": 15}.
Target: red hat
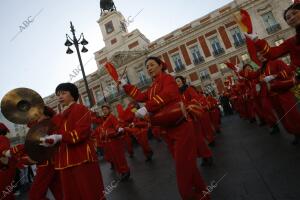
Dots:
{"x": 3, "y": 127}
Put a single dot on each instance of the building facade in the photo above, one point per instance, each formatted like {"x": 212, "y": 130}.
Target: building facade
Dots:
{"x": 196, "y": 51}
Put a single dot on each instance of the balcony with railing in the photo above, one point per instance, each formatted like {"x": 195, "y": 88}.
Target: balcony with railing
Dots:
{"x": 274, "y": 28}
{"x": 198, "y": 60}
{"x": 239, "y": 43}
{"x": 179, "y": 68}
{"x": 115, "y": 96}
{"x": 144, "y": 83}
{"x": 218, "y": 52}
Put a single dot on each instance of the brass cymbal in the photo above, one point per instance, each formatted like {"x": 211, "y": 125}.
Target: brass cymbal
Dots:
{"x": 22, "y": 105}
{"x": 33, "y": 148}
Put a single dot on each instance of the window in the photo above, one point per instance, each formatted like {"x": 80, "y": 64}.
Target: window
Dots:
{"x": 98, "y": 95}
{"x": 237, "y": 37}
{"x": 270, "y": 22}
{"x": 204, "y": 75}
{"x": 86, "y": 101}
{"x": 178, "y": 62}
{"x": 209, "y": 89}
{"x": 123, "y": 26}
{"x": 111, "y": 88}
{"x": 142, "y": 76}
{"x": 216, "y": 46}
{"x": 279, "y": 42}
{"x": 109, "y": 27}
{"x": 197, "y": 57}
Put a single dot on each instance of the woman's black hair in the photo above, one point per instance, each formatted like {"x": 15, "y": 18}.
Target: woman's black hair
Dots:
{"x": 70, "y": 87}
{"x": 294, "y": 7}
{"x": 247, "y": 65}
{"x": 158, "y": 61}
{"x": 182, "y": 79}
{"x": 3, "y": 132}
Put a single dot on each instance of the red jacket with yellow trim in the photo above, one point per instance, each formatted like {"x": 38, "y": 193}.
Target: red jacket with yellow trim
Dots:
{"x": 4, "y": 144}
{"x": 77, "y": 145}
{"x": 189, "y": 94}
{"x": 289, "y": 46}
{"x": 285, "y": 78}
{"x": 162, "y": 93}
{"x": 108, "y": 130}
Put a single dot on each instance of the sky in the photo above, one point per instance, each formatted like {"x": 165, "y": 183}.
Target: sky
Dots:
{"x": 32, "y": 52}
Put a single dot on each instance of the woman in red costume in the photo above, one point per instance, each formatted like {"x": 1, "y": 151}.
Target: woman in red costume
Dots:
{"x": 164, "y": 94}
{"x": 188, "y": 95}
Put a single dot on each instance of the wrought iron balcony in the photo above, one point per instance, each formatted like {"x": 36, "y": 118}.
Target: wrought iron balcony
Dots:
{"x": 197, "y": 61}
{"x": 273, "y": 29}
{"x": 179, "y": 68}
{"x": 144, "y": 83}
{"x": 239, "y": 43}
{"x": 218, "y": 52}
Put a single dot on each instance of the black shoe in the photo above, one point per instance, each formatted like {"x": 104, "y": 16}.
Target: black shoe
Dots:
{"x": 149, "y": 156}
{"x": 262, "y": 123}
{"x": 112, "y": 167}
{"x": 207, "y": 162}
{"x": 218, "y": 131}
{"x": 131, "y": 155}
{"x": 125, "y": 176}
{"x": 296, "y": 140}
{"x": 275, "y": 130}
{"x": 252, "y": 120}
{"x": 212, "y": 144}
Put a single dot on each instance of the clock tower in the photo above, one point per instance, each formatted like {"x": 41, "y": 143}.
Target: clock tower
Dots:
{"x": 112, "y": 23}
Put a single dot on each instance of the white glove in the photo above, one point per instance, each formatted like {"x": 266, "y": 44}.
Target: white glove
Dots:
{"x": 51, "y": 140}
{"x": 7, "y": 153}
{"x": 252, "y": 36}
{"x": 257, "y": 87}
{"x": 120, "y": 130}
{"x": 267, "y": 79}
{"x": 141, "y": 113}
{"x": 123, "y": 82}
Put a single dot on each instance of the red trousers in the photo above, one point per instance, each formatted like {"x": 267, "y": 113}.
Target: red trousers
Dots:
{"x": 156, "y": 132}
{"x": 142, "y": 138}
{"x": 116, "y": 151}
{"x": 46, "y": 177}
{"x": 250, "y": 109}
{"x": 203, "y": 151}
{"x": 7, "y": 181}
{"x": 128, "y": 143}
{"x": 258, "y": 108}
{"x": 207, "y": 127}
{"x": 82, "y": 182}
{"x": 215, "y": 118}
{"x": 285, "y": 106}
{"x": 181, "y": 142}
{"x": 269, "y": 116}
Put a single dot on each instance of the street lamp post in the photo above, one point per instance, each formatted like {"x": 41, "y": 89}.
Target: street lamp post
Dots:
{"x": 69, "y": 42}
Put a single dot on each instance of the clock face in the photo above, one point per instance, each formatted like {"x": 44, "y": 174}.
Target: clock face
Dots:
{"x": 109, "y": 27}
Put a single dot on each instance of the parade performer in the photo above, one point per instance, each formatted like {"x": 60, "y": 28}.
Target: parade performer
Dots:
{"x": 111, "y": 135}
{"x": 164, "y": 94}
{"x": 76, "y": 158}
{"x": 188, "y": 95}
